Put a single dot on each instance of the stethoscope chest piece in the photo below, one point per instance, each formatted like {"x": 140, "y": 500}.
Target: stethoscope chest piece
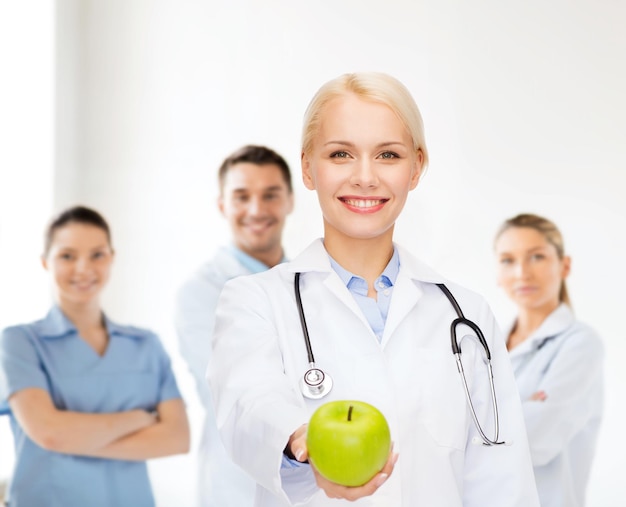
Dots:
{"x": 315, "y": 384}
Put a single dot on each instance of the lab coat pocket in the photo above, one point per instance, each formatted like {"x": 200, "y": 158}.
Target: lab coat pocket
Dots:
{"x": 442, "y": 412}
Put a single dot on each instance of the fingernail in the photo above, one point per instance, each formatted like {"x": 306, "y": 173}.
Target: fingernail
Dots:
{"x": 381, "y": 480}
{"x": 298, "y": 454}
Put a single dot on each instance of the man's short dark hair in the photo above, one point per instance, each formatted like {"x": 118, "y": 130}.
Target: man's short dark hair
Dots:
{"x": 259, "y": 155}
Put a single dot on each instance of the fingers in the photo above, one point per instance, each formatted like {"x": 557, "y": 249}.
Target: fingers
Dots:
{"x": 334, "y": 490}
{"x": 538, "y": 396}
{"x": 391, "y": 462}
{"x": 297, "y": 444}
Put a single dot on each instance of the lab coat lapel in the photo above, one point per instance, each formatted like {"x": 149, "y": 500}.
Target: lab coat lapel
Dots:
{"x": 554, "y": 324}
{"x": 406, "y": 294}
{"x": 407, "y": 290}
{"x": 315, "y": 259}
{"x": 337, "y": 287}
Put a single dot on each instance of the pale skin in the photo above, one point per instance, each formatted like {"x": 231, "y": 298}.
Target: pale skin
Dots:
{"x": 362, "y": 165}
{"x": 531, "y": 273}
{"x": 79, "y": 262}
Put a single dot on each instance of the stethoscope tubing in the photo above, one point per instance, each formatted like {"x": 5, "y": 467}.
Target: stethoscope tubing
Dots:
{"x": 305, "y": 330}
{"x": 323, "y": 387}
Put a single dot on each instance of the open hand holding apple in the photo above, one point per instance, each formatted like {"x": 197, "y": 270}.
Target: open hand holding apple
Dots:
{"x": 348, "y": 441}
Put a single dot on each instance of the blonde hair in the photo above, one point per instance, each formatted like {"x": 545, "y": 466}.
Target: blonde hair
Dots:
{"x": 373, "y": 86}
{"x": 549, "y": 231}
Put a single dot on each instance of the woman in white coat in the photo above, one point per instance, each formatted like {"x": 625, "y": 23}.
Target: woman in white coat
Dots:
{"x": 557, "y": 360}
{"x": 378, "y": 325}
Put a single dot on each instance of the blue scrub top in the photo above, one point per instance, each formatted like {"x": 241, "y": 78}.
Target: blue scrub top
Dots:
{"x": 133, "y": 373}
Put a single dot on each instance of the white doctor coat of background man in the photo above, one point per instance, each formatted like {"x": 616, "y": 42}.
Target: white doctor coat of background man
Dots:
{"x": 255, "y": 197}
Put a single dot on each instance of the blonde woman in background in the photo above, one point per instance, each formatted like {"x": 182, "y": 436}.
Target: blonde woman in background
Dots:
{"x": 558, "y": 361}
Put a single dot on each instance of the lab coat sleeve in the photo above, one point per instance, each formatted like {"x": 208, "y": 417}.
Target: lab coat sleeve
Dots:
{"x": 256, "y": 405}
{"x": 569, "y": 385}
{"x": 497, "y": 475}
{"x": 194, "y": 319}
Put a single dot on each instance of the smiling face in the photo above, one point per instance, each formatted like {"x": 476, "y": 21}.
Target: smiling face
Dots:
{"x": 79, "y": 261}
{"x": 362, "y": 164}
{"x": 529, "y": 268}
{"x": 256, "y": 200}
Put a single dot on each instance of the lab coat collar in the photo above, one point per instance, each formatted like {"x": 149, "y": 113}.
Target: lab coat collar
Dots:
{"x": 553, "y": 325}
{"x": 406, "y": 291}
{"x": 415, "y": 269}
{"x": 315, "y": 258}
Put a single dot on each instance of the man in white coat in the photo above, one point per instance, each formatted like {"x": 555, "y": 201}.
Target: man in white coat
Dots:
{"x": 255, "y": 198}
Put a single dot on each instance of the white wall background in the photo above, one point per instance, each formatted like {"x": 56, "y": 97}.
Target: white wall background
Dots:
{"x": 26, "y": 168}
{"x": 523, "y": 105}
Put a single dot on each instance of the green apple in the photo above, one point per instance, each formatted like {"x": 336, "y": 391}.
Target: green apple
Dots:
{"x": 348, "y": 441}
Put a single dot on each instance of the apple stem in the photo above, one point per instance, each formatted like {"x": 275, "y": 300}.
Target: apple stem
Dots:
{"x": 350, "y": 413}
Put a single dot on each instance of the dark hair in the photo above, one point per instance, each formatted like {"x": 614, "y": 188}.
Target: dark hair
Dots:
{"x": 549, "y": 231}
{"x": 79, "y": 215}
{"x": 259, "y": 155}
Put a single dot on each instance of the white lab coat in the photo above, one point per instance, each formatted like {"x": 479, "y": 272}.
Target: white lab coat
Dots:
{"x": 564, "y": 358}
{"x": 220, "y": 483}
{"x": 259, "y": 357}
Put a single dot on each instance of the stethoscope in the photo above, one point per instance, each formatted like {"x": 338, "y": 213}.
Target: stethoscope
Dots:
{"x": 316, "y": 384}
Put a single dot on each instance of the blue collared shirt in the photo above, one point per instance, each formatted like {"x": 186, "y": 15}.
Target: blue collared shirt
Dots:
{"x": 375, "y": 310}
{"x": 133, "y": 373}
{"x": 247, "y": 261}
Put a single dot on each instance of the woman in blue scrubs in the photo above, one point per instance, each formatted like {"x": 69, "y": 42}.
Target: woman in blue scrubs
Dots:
{"x": 557, "y": 360}
{"x": 90, "y": 400}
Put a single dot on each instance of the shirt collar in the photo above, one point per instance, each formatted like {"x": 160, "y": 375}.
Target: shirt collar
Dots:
{"x": 388, "y": 276}
{"x": 315, "y": 258}
{"x": 57, "y": 325}
{"x": 114, "y": 329}
{"x": 247, "y": 261}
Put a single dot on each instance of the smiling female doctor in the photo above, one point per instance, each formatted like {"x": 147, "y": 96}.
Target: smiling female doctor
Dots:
{"x": 378, "y": 325}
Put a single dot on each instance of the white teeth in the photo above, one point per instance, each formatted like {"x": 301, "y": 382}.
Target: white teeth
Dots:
{"x": 361, "y": 203}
